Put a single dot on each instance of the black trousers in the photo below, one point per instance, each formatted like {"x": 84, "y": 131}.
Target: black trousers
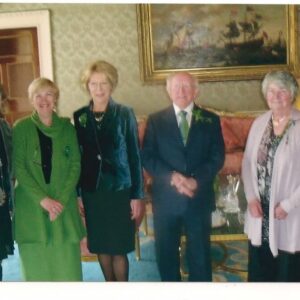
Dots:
{"x": 264, "y": 267}
{"x": 168, "y": 228}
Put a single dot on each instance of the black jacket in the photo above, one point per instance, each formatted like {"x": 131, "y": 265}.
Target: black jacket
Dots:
{"x": 110, "y": 155}
{"x": 202, "y": 157}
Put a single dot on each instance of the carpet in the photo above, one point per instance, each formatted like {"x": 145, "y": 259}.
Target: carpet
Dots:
{"x": 144, "y": 270}
{"x": 229, "y": 264}
{"x": 229, "y": 260}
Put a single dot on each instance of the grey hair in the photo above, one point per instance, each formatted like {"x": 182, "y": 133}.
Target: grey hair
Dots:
{"x": 282, "y": 79}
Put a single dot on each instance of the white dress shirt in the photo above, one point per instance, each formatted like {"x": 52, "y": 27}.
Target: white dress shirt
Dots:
{"x": 188, "y": 110}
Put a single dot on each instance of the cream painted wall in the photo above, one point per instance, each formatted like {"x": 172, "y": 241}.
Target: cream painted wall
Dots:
{"x": 85, "y": 32}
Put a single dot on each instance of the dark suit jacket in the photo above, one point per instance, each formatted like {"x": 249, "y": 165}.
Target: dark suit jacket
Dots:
{"x": 110, "y": 156}
{"x": 202, "y": 157}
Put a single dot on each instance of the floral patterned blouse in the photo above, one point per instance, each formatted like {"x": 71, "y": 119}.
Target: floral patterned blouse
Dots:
{"x": 265, "y": 161}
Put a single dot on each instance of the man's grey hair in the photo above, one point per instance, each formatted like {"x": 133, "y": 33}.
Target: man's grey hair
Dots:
{"x": 173, "y": 74}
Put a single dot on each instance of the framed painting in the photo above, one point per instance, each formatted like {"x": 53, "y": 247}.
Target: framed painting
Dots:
{"x": 216, "y": 42}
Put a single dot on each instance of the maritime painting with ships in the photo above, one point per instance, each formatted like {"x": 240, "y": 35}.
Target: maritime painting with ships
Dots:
{"x": 202, "y": 36}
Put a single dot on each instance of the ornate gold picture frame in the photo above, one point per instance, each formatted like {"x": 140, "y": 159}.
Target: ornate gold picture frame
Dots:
{"x": 216, "y": 41}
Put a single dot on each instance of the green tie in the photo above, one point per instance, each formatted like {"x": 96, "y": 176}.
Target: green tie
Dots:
{"x": 183, "y": 126}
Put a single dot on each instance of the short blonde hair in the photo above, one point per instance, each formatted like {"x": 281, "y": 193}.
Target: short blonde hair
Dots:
{"x": 100, "y": 66}
{"x": 40, "y": 83}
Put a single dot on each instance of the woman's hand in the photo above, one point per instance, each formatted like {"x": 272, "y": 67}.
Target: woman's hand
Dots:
{"x": 280, "y": 213}
{"x": 80, "y": 207}
{"x": 255, "y": 209}
{"x": 53, "y": 207}
{"x": 137, "y": 210}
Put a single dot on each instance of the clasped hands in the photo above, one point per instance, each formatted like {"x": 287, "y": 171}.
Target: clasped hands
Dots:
{"x": 184, "y": 185}
{"x": 256, "y": 210}
{"x": 53, "y": 207}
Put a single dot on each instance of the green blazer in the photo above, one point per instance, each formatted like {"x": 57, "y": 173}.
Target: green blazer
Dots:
{"x": 31, "y": 221}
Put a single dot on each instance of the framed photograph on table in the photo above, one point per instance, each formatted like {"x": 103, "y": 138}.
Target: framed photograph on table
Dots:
{"x": 216, "y": 41}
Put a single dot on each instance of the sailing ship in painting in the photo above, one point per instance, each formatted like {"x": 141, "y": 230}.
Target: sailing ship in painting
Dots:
{"x": 255, "y": 43}
{"x": 242, "y": 42}
{"x": 248, "y": 28}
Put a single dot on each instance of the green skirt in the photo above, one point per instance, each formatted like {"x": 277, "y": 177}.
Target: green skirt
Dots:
{"x": 59, "y": 262}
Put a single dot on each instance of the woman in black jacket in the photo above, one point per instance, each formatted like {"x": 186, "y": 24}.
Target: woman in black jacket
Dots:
{"x": 111, "y": 181}
{"x": 6, "y": 240}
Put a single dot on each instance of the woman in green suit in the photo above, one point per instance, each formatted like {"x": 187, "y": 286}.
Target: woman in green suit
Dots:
{"x": 46, "y": 159}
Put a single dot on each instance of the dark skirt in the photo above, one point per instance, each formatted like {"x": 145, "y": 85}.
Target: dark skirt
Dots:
{"x": 6, "y": 240}
{"x": 110, "y": 229}
{"x": 264, "y": 267}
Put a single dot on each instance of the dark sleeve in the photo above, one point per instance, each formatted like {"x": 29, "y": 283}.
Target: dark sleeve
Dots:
{"x": 134, "y": 158}
{"x": 7, "y": 136}
{"x": 79, "y": 140}
{"x": 77, "y": 128}
{"x": 208, "y": 170}
{"x": 152, "y": 162}
{"x": 7, "y": 140}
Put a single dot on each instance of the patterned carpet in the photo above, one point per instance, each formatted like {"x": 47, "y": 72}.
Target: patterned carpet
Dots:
{"x": 230, "y": 261}
{"x": 230, "y": 258}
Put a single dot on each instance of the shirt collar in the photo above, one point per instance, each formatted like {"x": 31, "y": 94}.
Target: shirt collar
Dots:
{"x": 188, "y": 109}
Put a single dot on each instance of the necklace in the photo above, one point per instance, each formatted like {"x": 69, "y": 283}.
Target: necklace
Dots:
{"x": 99, "y": 115}
{"x": 276, "y": 123}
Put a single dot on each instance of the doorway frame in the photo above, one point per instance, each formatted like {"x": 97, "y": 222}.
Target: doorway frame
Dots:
{"x": 40, "y": 19}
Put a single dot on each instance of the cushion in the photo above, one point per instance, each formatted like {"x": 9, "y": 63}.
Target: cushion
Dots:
{"x": 231, "y": 139}
{"x": 235, "y": 132}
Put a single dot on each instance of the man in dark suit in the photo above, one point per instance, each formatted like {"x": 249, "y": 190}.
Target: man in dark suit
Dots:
{"x": 183, "y": 151}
